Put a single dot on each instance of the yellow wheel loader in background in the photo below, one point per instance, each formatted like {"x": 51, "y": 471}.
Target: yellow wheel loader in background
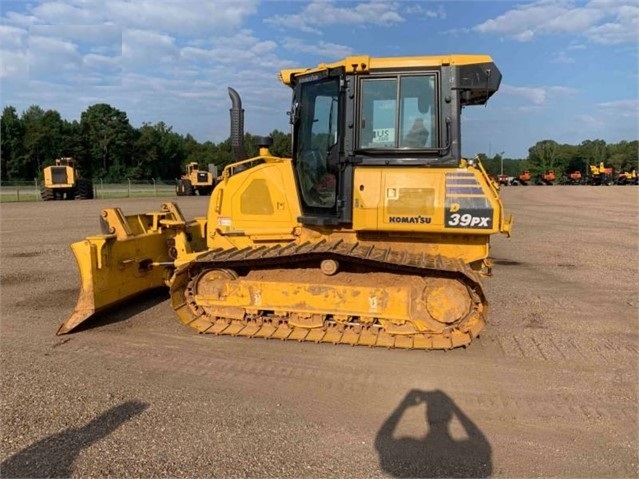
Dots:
{"x": 195, "y": 181}
{"x": 375, "y": 232}
{"x": 63, "y": 181}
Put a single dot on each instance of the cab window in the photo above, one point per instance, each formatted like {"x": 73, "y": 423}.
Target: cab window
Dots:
{"x": 398, "y": 112}
{"x": 316, "y": 136}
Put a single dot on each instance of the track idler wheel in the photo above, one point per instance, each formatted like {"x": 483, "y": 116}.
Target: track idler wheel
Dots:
{"x": 215, "y": 284}
{"x": 447, "y": 301}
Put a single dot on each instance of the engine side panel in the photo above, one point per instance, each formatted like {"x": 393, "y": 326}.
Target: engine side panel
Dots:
{"x": 426, "y": 200}
{"x": 260, "y": 204}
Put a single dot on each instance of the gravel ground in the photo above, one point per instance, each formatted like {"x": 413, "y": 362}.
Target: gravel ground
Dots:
{"x": 549, "y": 390}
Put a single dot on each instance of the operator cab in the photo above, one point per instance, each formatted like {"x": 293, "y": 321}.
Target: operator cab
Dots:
{"x": 377, "y": 112}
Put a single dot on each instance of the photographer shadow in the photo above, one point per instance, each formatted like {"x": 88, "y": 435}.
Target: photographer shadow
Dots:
{"x": 437, "y": 454}
{"x": 54, "y": 455}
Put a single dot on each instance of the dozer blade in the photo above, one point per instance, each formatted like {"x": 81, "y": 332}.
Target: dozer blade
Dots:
{"x": 130, "y": 259}
{"x": 112, "y": 271}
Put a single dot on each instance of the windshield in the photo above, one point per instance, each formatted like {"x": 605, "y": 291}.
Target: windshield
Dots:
{"x": 316, "y": 135}
{"x": 398, "y": 112}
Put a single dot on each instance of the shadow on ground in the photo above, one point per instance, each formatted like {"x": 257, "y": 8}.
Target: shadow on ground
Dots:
{"x": 121, "y": 312}
{"x": 53, "y": 456}
{"x": 437, "y": 454}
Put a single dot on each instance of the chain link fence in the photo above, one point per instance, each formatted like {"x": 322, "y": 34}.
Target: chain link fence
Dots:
{"x": 30, "y": 190}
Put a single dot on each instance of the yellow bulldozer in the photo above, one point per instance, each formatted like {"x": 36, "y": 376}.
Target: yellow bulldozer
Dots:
{"x": 195, "y": 181}
{"x": 63, "y": 181}
{"x": 376, "y": 232}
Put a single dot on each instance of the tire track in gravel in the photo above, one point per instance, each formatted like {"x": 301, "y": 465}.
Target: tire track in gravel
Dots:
{"x": 540, "y": 345}
{"x": 349, "y": 385}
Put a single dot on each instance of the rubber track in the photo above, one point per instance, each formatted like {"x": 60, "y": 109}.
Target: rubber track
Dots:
{"x": 376, "y": 259}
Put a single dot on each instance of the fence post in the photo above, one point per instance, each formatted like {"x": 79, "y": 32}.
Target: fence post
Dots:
{"x": 155, "y": 188}
{"x": 129, "y": 190}
{"x": 102, "y": 188}
{"x": 17, "y": 191}
{"x": 37, "y": 195}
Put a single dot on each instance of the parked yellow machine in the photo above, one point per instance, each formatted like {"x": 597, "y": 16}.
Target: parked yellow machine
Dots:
{"x": 375, "y": 232}
{"x": 63, "y": 181}
{"x": 195, "y": 181}
{"x": 627, "y": 177}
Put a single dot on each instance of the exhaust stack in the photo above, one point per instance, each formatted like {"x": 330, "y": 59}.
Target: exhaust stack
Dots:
{"x": 237, "y": 126}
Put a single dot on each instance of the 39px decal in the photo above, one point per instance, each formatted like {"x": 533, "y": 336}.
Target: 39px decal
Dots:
{"x": 477, "y": 218}
{"x": 468, "y": 220}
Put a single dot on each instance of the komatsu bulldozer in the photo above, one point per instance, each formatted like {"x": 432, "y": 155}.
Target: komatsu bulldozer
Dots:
{"x": 375, "y": 232}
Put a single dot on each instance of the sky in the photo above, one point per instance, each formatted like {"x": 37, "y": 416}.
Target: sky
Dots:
{"x": 570, "y": 68}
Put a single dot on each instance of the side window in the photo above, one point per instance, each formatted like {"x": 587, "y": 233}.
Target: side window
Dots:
{"x": 379, "y": 104}
{"x": 417, "y": 110}
{"x": 324, "y": 126}
{"x": 398, "y": 112}
{"x": 317, "y": 136}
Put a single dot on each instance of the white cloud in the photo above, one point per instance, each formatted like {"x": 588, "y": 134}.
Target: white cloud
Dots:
{"x": 320, "y": 13}
{"x": 624, "y": 29}
{"x": 418, "y": 10}
{"x": 173, "y": 16}
{"x": 534, "y": 95}
{"x": 92, "y": 34}
{"x": 13, "y": 37}
{"x": 14, "y": 44}
{"x": 607, "y": 114}
{"x": 20, "y": 19}
{"x": 14, "y": 64}
{"x": 98, "y": 61}
{"x": 628, "y": 108}
{"x": 48, "y": 55}
{"x": 605, "y": 22}
{"x": 537, "y": 96}
{"x": 589, "y": 121}
{"x": 562, "y": 57}
{"x": 243, "y": 49}
{"x": 59, "y": 54}
{"x": 321, "y": 48}
{"x": 525, "y": 36}
{"x": 147, "y": 47}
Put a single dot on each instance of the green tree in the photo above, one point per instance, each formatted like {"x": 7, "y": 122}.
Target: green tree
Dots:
{"x": 12, "y": 150}
{"x": 593, "y": 151}
{"x": 623, "y": 156}
{"x": 35, "y": 141}
{"x": 109, "y": 135}
{"x": 543, "y": 156}
{"x": 73, "y": 144}
{"x": 281, "y": 144}
{"x": 158, "y": 152}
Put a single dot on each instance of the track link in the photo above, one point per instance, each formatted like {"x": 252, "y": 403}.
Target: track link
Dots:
{"x": 285, "y": 325}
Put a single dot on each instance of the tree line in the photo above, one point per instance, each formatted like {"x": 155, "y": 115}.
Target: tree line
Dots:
{"x": 106, "y": 146}
{"x": 548, "y": 155}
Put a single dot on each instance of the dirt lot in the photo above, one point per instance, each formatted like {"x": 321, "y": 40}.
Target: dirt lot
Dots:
{"x": 550, "y": 388}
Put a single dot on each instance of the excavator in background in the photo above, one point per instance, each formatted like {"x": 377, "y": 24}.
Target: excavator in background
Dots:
{"x": 523, "y": 179}
{"x": 376, "y": 232}
{"x": 195, "y": 181}
{"x": 574, "y": 178}
{"x": 547, "y": 178}
{"x": 63, "y": 181}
